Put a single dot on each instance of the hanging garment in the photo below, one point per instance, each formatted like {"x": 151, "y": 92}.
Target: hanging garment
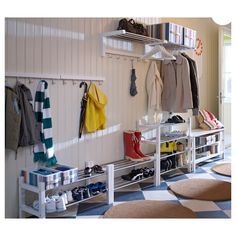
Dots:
{"x": 194, "y": 83}
{"x": 95, "y": 118}
{"x": 133, "y": 88}
{"x": 29, "y": 130}
{"x": 44, "y": 151}
{"x": 154, "y": 87}
{"x": 82, "y": 108}
{"x": 12, "y": 119}
{"x": 177, "y": 94}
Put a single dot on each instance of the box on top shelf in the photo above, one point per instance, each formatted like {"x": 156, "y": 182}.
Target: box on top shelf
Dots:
{"x": 167, "y": 31}
{"x": 51, "y": 178}
{"x": 189, "y": 38}
{"x": 68, "y": 174}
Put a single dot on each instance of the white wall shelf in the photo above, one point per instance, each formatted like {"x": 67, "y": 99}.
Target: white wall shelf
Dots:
{"x": 152, "y": 46}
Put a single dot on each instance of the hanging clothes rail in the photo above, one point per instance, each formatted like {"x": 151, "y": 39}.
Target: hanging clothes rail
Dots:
{"x": 54, "y": 76}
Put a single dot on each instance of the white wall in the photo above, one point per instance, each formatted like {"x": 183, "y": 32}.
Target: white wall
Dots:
{"x": 71, "y": 46}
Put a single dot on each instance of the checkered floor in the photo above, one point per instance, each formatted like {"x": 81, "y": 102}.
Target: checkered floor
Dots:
{"x": 144, "y": 191}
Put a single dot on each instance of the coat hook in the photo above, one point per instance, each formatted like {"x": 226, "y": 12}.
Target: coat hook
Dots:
{"x": 64, "y": 82}
{"x": 74, "y": 82}
{"x": 53, "y": 82}
{"x": 100, "y": 82}
{"x": 30, "y": 81}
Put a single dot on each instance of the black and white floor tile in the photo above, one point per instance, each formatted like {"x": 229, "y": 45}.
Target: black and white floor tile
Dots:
{"x": 146, "y": 191}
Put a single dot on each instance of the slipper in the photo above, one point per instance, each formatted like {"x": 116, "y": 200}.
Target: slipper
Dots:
{"x": 87, "y": 172}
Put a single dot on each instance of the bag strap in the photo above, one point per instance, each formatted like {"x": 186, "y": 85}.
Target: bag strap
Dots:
{"x": 131, "y": 21}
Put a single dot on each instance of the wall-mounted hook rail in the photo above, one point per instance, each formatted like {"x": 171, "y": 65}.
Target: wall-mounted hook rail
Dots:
{"x": 54, "y": 77}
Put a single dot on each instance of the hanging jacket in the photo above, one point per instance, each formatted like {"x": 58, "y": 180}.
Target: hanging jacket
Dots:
{"x": 194, "y": 83}
{"x": 154, "y": 87}
{"x": 95, "y": 117}
{"x": 12, "y": 119}
{"x": 29, "y": 131}
{"x": 177, "y": 94}
{"x": 44, "y": 151}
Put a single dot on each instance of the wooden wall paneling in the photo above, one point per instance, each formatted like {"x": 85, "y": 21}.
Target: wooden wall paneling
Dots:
{"x": 53, "y": 85}
{"x": 11, "y": 45}
{"x": 46, "y": 63}
{"x": 29, "y": 45}
{"x": 38, "y": 28}
{"x": 20, "y": 42}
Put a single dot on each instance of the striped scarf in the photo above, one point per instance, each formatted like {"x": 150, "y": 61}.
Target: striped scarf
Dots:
{"x": 44, "y": 151}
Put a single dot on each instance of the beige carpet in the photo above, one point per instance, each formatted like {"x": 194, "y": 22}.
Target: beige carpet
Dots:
{"x": 203, "y": 189}
{"x": 222, "y": 169}
{"x": 149, "y": 209}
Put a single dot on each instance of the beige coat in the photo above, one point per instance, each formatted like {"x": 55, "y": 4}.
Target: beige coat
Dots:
{"x": 177, "y": 94}
{"x": 154, "y": 88}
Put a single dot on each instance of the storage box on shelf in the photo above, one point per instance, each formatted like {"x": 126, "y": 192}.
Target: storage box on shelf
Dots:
{"x": 170, "y": 32}
{"x": 206, "y": 144}
{"x": 41, "y": 190}
{"x": 189, "y": 38}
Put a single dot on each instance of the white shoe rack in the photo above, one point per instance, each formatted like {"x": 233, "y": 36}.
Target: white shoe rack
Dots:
{"x": 114, "y": 170}
{"x": 41, "y": 192}
{"x": 213, "y": 138}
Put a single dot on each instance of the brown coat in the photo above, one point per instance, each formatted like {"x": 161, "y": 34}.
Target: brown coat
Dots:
{"x": 177, "y": 94}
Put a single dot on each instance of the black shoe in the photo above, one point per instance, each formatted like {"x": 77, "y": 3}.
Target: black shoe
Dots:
{"x": 133, "y": 175}
{"x": 87, "y": 172}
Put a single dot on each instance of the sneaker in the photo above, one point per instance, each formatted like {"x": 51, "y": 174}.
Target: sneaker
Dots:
{"x": 50, "y": 205}
{"x": 60, "y": 204}
{"x": 64, "y": 195}
{"x": 69, "y": 196}
{"x": 36, "y": 205}
{"x": 133, "y": 175}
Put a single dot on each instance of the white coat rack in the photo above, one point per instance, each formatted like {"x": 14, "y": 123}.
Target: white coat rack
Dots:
{"x": 54, "y": 76}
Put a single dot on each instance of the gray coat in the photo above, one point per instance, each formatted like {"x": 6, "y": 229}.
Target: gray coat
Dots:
{"x": 29, "y": 131}
{"x": 176, "y": 94}
{"x": 12, "y": 119}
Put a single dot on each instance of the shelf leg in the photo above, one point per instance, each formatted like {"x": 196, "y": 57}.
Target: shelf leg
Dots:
{"x": 157, "y": 176}
{"x": 21, "y": 198}
{"x": 42, "y": 210}
{"x": 110, "y": 184}
{"x": 193, "y": 154}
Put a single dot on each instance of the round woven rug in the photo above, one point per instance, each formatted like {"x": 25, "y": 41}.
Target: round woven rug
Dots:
{"x": 222, "y": 169}
{"x": 149, "y": 209}
{"x": 202, "y": 189}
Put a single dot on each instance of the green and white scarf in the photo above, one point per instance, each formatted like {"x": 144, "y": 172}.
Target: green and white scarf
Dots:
{"x": 44, "y": 151}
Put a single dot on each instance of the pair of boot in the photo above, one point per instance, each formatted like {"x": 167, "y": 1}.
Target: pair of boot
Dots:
{"x": 132, "y": 150}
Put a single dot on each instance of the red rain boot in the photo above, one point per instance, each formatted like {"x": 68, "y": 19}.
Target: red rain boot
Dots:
{"x": 138, "y": 136}
{"x": 129, "y": 141}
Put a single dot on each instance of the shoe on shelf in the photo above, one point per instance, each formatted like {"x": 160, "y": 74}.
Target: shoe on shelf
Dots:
{"x": 36, "y": 205}
{"x": 88, "y": 172}
{"x": 50, "y": 204}
{"x": 69, "y": 196}
{"x": 64, "y": 195}
{"x": 129, "y": 146}
{"x": 60, "y": 203}
{"x": 101, "y": 186}
{"x": 97, "y": 169}
{"x": 93, "y": 189}
{"x": 137, "y": 149}
{"x": 77, "y": 194}
{"x": 180, "y": 160}
{"x": 133, "y": 175}
{"x": 180, "y": 119}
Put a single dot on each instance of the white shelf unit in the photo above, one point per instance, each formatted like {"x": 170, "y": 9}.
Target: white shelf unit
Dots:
{"x": 158, "y": 141}
{"x": 153, "y": 44}
{"x": 196, "y": 134}
{"x": 41, "y": 192}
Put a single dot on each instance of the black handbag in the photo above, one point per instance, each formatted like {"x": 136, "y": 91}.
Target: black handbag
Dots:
{"x": 132, "y": 27}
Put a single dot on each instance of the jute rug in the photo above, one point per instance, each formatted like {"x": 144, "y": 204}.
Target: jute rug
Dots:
{"x": 222, "y": 169}
{"x": 149, "y": 209}
{"x": 202, "y": 189}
